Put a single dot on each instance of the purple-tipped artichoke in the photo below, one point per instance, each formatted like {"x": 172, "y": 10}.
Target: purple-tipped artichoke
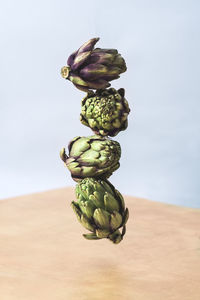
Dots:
{"x": 92, "y": 69}
{"x": 92, "y": 156}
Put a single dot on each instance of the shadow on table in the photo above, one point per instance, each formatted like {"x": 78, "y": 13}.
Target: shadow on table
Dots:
{"x": 102, "y": 281}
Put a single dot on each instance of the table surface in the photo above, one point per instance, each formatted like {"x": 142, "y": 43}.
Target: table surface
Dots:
{"x": 44, "y": 256}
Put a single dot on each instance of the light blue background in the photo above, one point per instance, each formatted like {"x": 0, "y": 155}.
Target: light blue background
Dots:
{"x": 160, "y": 41}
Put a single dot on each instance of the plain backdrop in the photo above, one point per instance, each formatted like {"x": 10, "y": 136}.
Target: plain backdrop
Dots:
{"x": 40, "y": 110}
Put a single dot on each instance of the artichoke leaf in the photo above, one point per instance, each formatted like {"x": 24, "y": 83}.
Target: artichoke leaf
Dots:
{"x": 102, "y": 233}
{"x": 90, "y": 236}
{"x": 120, "y": 199}
{"x": 101, "y": 218}
{"x": 110, "y": 202}
{"x": 80, "y": 59}
{"x": 88, "y": 46}
{"x": 87, "y": 208}
{"x": 86, "y": 223}
{"x": 126, "y": 216}
{"x": 76, "y": 209}
{"x": 116, "y": 220}
{"x": 96, "y": 201}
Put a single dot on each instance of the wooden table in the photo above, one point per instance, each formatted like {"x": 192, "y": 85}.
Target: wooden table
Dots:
{"x": 43, "y": 255}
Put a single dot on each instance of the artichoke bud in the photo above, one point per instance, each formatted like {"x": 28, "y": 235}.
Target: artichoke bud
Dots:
{"x": 93, "y": 156}
{"x": 101, "y": 211}
{"x": 105, "y": 111}
{"x": 90, "y": 68}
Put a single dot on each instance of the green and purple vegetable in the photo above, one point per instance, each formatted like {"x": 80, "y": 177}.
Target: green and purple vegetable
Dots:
{"x": 92, "y": 156}
{"x": 89, "y": 68}
{"x": 100, "y": 209}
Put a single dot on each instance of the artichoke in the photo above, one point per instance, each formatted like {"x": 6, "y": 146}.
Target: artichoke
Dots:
{"x": 105, "y": 111}
{"x": 92, "y": 156}
{"x": 100, "y": 208}
{"x": 90, "y": 68}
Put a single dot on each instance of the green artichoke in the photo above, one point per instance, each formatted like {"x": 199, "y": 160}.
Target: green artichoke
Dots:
{"x": 105, "y": 111}
{"x": 100, "y": 209}
{"x": 92, "y": 156}
{"x": 90, "y": 68}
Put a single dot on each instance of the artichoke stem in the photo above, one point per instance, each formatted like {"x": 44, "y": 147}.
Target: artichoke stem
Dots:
{"x": 65, "y": 72}
{"x": 115, "y": 237}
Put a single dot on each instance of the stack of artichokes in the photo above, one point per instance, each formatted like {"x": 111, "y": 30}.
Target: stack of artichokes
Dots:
{"x": 91, "y": 160}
